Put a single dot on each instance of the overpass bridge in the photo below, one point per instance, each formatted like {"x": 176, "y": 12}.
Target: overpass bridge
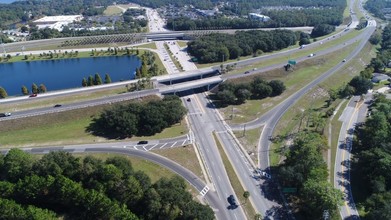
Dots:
{"x": 181, "y": 87}
{"x": 187, "y": 76}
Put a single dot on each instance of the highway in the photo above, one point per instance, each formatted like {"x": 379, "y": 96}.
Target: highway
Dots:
{"x": 264, "y": 197}
{"x": 204, "y": 119}
{"x": 202, "y": 128}
{"x": 212, "y": 198}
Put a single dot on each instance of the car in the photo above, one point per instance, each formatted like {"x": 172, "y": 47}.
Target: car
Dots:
{"x": 247, "y": 72}
{"x": 57, "y": 105}
{"x": 142, "y": 142}
{"x": 344, "y": 60}
{"x": 188, "y": 99}
{"x": 33, "y": 95}
{"x": 6, "y": 114}
{"x": 311, "y": 55}
{"x": 266, "y": 175}
{"x": 231, "y": 200}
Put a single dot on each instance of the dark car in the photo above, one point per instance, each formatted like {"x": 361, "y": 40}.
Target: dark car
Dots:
{"x": 247, "y": 72}
{"x": 188, "y": 99}
{"x": 142, "y": 142}
{"x": 232, "y": 201}
{"x": 33, "y": 95}
{"x": 6, "y": 114}
{"x": 58, "y": 105}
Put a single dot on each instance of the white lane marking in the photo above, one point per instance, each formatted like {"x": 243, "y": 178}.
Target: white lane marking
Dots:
{"x": 153, "y": 147}
{"x": 204, "y": 191}
{"x": 219, "y": 178}
{"x": 173, "y": 144}
{"x": 184, "y": 142}
{"x": 145, "y": 148}
{"x": 163, "y": 146}
{"x": 135, "y": 147}
{"x": 235, "y": 216}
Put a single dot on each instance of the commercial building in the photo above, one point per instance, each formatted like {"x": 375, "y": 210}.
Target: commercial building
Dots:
{"x": 258, "y": 17}
{"x": 57, "y": 22}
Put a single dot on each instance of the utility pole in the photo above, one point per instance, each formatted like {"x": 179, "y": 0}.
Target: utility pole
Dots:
{"x": 244, "y": 130}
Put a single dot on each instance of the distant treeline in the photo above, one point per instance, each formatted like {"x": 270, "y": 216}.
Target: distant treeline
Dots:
{"x": 221, "y": 47}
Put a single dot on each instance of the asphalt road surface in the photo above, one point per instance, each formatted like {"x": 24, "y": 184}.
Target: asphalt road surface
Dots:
{"x": 202, "y": 129}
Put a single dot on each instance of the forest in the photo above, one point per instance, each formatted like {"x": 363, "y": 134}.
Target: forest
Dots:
{"x": 305, "y": 170}
{"x": 221, "y": 47}
{"x": 61, "y": 186}
{"x": 376, "y": 7}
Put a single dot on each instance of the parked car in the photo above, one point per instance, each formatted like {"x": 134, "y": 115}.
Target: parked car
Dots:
{"x": 142, "y": 142}
{"x": 57, "y": 105}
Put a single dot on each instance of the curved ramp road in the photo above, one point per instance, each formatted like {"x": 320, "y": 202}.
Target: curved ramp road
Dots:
{"x": 211, "y": 197}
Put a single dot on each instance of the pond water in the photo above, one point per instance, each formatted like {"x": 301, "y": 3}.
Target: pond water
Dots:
{"x": 65, "y": 74}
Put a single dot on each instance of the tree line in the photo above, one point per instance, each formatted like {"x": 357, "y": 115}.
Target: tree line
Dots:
{"x": 231, "y": 93}
{"x": 141, "y": 119}
{"x": 25, "y": 91}
{"x": 61, "y": 185}
{"x": 95, "y": 80}
{"x": 370, "y": 166}
{"x": 219, "y": 47}
{"x": 278, "y": 18}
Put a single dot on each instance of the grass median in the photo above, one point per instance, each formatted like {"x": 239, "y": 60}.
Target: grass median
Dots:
{"x": 303, "y": 73}
{"x": 66, "y": 128}
{"x": 235, "y": 182}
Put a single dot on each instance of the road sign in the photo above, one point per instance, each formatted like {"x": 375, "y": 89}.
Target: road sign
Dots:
{"x": 289, "y": 190}
{"x": 292, "y": 62}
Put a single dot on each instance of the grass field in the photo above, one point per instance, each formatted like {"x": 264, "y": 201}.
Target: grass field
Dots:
{"x": 65, "y": 128}
{"x": 182, "y": 43}
{"x": 249, "y": 140}
{"x": 235, "y": 183}
{"x": 303, "y": 73}
{"x": 185, "y": 156}
{"x": 112, "y": 10}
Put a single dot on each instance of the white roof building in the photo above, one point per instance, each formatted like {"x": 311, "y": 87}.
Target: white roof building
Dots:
{"x": 258, "y": 17}
{"x": 57, "y": 22}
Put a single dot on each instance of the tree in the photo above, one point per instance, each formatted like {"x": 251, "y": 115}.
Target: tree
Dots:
{"x": 34, "y": 89}
{"x": 84, "y": 82}
{"x": 42, "y": 88}
{"x": 321, "y": 30}
{"x": 261, "y": 90}
{"x": 242, "y": 95}
{"x": 246, "y": 195}
{"x": 90, "y": 81}
{"x": 17, "y": 164}
{"x": 226, "y": 97}
{"x": 97, "y": 79}
{"x": 360, "y": 85}
{"x": 107, "y": 78}
{"x": 25, "y": 91}
{"x": 3, "y": 93}
{"x": 278, "y": 87}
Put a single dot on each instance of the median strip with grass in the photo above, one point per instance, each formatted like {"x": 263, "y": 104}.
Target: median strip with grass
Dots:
{"x": 66, "y": 128}
{"x": 235, "y": 182}
{"x": 303, "y": 73}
